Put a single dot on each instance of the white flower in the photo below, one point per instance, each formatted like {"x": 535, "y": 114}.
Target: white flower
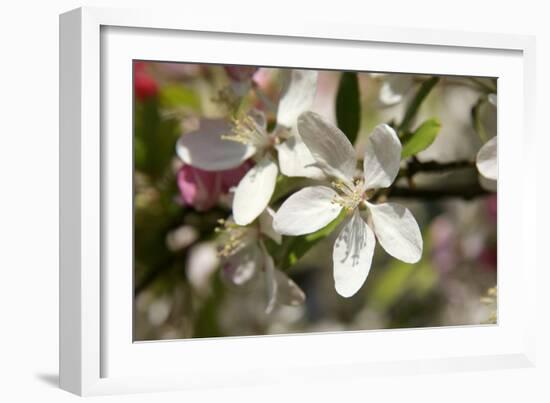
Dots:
{"x": 243, "y": 253}
{"x": 394, "y": 88}
{"x": 202, "y": 262}
{"x": 492, "y": 98}
{"x": 219, "y": 146}
{"x": 487, "y": 166}
{"x": 486, "y": 160}
{"x": 312, "y": 208}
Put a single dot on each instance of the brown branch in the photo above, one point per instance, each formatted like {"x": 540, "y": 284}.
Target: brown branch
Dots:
{"x": 414, "y": 166}
{"x": 466, "y": 192}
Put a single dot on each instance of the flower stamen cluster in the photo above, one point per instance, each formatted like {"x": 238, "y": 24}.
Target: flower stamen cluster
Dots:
{"x": 248, "y": 131}
{"x": 235, "y": 237}
{"x": 349, "y": 196}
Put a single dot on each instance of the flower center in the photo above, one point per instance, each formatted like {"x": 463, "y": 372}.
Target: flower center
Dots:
{"x": 349, "y": 195}
{"x": 247, "y": 130}
{"x": 233, "y": 237}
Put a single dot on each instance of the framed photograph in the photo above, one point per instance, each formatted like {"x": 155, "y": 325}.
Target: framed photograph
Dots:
{"x": 243, "y": 203}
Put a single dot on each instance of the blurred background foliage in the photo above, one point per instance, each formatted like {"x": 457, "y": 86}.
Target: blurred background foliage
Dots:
{"x": 179, "y": 289}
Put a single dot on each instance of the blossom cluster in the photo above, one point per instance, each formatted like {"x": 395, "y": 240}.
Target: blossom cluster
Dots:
{"x": 244, "y": 156}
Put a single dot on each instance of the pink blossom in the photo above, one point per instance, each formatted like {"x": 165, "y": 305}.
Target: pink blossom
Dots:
{"x": 232, "y": 177}
{"x": 202, "y": 189}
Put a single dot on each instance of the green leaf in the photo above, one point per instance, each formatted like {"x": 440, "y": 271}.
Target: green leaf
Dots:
{"x": 294, "y": 248}
{"x": 415, "y": 104}
{"x": 348, "y": 105}
{"x": 399, "y": 279}
{"x": 477, "y": 122}
{"x": 421, "y": 139}
{"x": 286, "y": 185}
{"x": 155, "y": 138}
{"x": 178, "y": 96}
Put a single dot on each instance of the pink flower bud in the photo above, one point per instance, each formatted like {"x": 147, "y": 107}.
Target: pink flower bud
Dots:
{"x": 199, "y": 188}
{"x": 232, "y": 177}
{"x": 202, "y": 189}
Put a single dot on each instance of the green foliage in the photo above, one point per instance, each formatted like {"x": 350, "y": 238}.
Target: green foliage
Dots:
{"x": 178, "y": 96}
{"x": 206, "y": 322}
{"x": 348, "y": 105}
{"x": 399, "y": 279}
{"x": 416, "y": 102}
{"x": 421, "y": 139}
{"x": 477, "y": 122}
{"x": 285, "y": 185}
{"x": 154, "y": 138}
{"x": 294, "y": 248}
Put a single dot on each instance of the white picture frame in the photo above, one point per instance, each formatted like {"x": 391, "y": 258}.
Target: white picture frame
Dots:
{"x": 97, "y": 355}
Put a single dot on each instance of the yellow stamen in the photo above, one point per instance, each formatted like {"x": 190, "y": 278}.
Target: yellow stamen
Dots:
{"x": 349, "y": 197}
{"x": 246, "y": 130}
{"x": 234, "y": 237}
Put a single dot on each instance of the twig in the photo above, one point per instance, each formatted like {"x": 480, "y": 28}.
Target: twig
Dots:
{"x": 466, "y": 192}
{"x": 414, "y": 166}
{"x": 414, "y": 105}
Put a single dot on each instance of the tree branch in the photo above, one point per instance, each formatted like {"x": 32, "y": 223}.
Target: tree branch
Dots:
{"x": 466, "y": 192}
{"x": 414, "y": 166}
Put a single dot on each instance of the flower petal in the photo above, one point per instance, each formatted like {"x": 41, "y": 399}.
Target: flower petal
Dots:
{"x": 488, "y": 184}
{"x": 288, "y": 292}
{"x": 297, "y": 96}
{"x": 331, "y": 149}
{"x": 270, "y": 280}
{"x": 352, "y": 256}
{"x": 382, "y": 157}
{"x": 254, "y": 191}
{"x": 486, "y": 160}
{"x": 199, "y": 188}
{"x": 397, "y": 231}
{"x": 279, "y": 287}
{"x": 306, "y": 211}
{"x": 266, "y": 225}
{"x": 259, "y": 118}
{"x": 240, "y": 267}
{"x": 295, "y": 159}
{"x": 205, "y": 149}
{"x": 394, "y": 88}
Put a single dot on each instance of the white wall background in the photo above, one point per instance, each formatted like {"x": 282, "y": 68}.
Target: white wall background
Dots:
{"x": 29, "y": 197}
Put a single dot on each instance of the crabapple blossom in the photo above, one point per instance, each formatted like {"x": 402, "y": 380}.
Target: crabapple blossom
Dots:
{"x": 486, "y": 160}
{"x": 312, "y": 208}
{"x": 394, "y": 88}
{"x": 243, "y": 253}
{"x": 217, "y": 145}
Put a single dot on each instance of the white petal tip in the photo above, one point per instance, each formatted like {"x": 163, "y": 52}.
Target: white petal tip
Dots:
{"x": 412, "y": 259}
{"x": 242, "y": 221}
{"x": 346, "y": 293}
